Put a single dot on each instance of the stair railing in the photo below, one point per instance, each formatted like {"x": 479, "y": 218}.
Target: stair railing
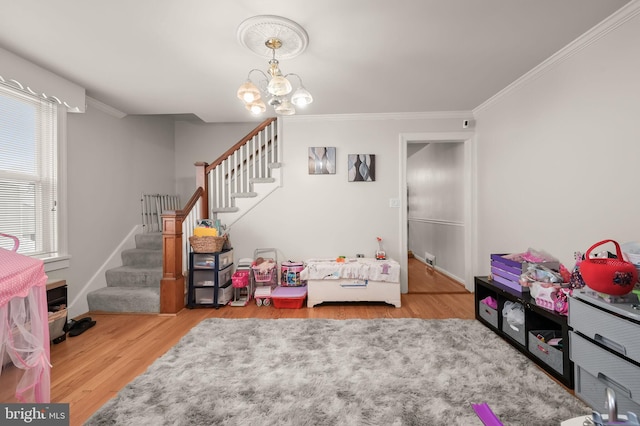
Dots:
{"x": 152, "y": 206}
{"x": 246, "y": 160}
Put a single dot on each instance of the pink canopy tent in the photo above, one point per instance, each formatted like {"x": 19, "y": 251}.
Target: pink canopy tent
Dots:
{"x": 24, "y": 324}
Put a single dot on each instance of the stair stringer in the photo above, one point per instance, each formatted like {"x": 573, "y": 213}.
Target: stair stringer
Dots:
{"x": 244, "y": 205}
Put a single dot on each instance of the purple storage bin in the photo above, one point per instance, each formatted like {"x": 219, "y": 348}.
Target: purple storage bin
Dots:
{"x": 516, "y": 267}
{"x": 512, "y": 285}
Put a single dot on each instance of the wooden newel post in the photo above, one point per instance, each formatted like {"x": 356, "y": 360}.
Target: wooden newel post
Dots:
{"x": 202, "y": 182}
{"x": 172, "y": 285}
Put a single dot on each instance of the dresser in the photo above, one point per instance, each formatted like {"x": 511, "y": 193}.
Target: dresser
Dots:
{"x": 210, "y": 279}
{"x": 605, "y": 350}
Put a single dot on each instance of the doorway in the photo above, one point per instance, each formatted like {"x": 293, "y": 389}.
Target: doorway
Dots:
{"x": 409, "y": 143}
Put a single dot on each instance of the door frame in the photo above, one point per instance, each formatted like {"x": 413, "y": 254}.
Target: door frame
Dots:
{"x": 470, "y": 233}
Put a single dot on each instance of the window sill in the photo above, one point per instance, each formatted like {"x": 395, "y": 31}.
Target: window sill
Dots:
{"x": 56, "y": 263}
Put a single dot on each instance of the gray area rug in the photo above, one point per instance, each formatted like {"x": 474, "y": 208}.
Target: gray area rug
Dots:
{"x": 339, "y": 372}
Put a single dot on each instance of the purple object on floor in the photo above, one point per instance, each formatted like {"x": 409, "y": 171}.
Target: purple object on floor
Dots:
{"x": 486, "y": 415}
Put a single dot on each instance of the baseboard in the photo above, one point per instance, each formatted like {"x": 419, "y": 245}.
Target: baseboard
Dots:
{"x": 440, "y": 270}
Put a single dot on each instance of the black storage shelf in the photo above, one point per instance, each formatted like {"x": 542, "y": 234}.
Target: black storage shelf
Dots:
{"x": 536, "y": 318}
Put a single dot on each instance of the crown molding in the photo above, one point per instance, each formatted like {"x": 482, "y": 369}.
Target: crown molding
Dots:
{"x": 609, "y": 24}
{"x": 434, "y": 115}
{"x": 105, "y": 108}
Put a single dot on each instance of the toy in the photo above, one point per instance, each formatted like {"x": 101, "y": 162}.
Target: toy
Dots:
{"x": 380, "y": 253}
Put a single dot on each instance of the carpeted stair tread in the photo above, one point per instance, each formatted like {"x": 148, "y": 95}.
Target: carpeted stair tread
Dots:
{"x": 134, "y": 276}
{"x": 134, "y": 286}
{"x": 151, "y": 240}
{"x": 142, "y": 257}
{"x": 124, "y": 299}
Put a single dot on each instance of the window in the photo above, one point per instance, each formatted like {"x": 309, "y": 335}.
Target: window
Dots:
{"x": 28, "y": 173}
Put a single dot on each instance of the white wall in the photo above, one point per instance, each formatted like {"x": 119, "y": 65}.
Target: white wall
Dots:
{"x": 558, "y": 154}
{"x": 435, "y": 187}
{"x": 200, "y": 142}
{"x": 314, "y": 216}
{"x": 110, "y": 162}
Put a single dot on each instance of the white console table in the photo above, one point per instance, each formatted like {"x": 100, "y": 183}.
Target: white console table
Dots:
{"x": 354, "y": 280}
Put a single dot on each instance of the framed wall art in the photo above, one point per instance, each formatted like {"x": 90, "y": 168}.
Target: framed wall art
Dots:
{"x": 322, "y": 160}
{"x": 362, "y": 168}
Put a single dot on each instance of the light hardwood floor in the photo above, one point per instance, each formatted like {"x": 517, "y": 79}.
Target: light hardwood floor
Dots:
{"x": 91, "y": 368}
{"x": 425, "y": 279}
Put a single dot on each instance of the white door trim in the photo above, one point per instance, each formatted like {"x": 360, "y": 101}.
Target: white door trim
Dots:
{"x": 470, "y": 233}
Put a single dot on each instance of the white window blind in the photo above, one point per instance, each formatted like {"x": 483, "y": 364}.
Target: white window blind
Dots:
{"x": 28, "y": 173}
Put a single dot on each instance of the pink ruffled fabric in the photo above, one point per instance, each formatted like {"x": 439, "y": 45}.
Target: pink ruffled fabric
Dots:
{"x": 24, "y": 324}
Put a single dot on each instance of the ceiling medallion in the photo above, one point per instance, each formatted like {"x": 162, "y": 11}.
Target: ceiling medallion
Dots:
{"x": 253, "y": 32}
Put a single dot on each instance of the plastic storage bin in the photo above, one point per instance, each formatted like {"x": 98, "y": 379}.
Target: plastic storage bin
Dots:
{"x": 204, "y": 296}
{"x": 289, "y": 297}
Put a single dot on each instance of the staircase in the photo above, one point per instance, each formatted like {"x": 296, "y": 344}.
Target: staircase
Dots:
{"x": 226, "y": 189}
{"x": 134, "y": 286}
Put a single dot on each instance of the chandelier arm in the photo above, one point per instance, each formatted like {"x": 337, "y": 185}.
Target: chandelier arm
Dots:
{"x": 299, "y": 78}
{"x": 258, "y": 70}
{"x": 261, "y": 83}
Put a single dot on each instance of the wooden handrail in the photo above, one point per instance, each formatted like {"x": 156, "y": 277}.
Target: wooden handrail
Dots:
{"x": 237, "y": 146}
{"x": 192, "y": 202}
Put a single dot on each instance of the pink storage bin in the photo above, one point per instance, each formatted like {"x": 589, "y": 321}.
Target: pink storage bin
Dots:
{"x": 289, "y": 297}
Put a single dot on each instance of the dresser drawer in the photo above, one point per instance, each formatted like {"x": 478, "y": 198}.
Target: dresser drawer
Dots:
{"x": 617, "y": 334}
{"x": 620, "y": 375}
{"x": 208, "y": 260}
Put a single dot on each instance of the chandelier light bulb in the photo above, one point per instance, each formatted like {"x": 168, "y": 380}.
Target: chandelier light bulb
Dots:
{"x": 285, "y": 108}
{"x": 279, "y": 86}
{"x": 256, "y": 107}
{"x": 301, "y": 97}
{"x": 248, "y": 92}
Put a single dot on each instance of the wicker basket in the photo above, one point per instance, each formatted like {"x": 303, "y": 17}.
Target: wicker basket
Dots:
{"x": 207, "y": 244}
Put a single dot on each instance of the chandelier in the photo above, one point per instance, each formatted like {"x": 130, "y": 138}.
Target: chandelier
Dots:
{"x": 265, "y": 35}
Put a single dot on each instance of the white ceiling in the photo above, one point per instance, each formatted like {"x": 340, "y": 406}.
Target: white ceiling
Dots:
{"x": 364, "y": 56}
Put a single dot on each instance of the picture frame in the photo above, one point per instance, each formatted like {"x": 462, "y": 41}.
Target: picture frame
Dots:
{"x": 361, "y": 168}
{"x": 322, "y": 160}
